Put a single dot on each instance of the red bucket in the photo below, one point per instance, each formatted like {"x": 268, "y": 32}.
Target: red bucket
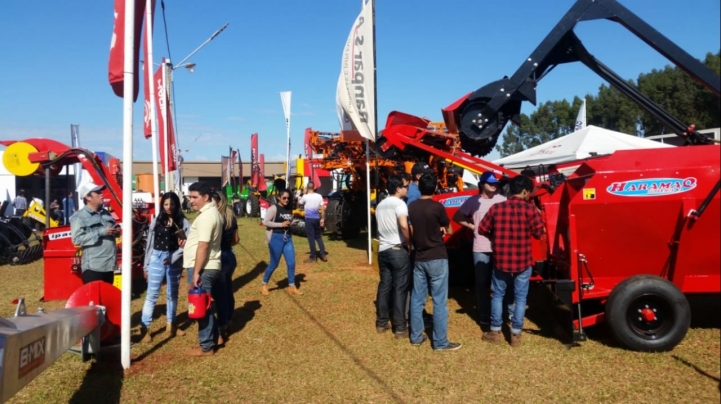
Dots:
{"x": 198, "y": 303}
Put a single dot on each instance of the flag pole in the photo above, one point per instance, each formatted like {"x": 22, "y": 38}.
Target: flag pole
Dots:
{"x": 151, "y": 87}
{"x": 375, "y": 143}
{"x": 127, "y": 216}
{"x": 166, "y": 115}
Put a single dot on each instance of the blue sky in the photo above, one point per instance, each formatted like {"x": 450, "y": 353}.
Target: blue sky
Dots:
{"x": 54, "y": 55}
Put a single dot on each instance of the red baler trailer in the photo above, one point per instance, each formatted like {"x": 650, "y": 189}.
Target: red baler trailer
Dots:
{"x": 630, "y": 235}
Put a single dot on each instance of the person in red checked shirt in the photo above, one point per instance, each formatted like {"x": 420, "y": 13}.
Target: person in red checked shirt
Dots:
{"x": 510, "y": 225}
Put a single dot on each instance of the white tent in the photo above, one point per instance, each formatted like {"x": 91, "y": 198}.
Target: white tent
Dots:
{"x": 577, "y": 146}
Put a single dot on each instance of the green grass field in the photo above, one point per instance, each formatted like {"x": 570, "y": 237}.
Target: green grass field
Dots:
{"x": 322, "y": 347}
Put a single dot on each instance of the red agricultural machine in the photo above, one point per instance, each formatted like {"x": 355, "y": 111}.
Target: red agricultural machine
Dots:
{"x": 47, "y": 158}
{"x": 629, "y": 234}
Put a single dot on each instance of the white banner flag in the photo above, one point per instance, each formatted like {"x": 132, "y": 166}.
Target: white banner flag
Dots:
{"x": 357, "y": 92}
{"x": 343, "y": 118}
{"x": 285, "y": 99}
{"x": 581, "y": 119}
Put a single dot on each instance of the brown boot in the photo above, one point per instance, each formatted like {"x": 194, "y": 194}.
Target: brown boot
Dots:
{"x": 264, "y": 290}
{"x": 294, "y": 291}
{"x": 146, "y": 337}
{"x": 172, "y": 330}
{"x": 515, "y": 340}
{"x": 494, "y": 337}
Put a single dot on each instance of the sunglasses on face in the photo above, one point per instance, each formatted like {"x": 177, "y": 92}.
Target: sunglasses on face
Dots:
{"x": 285, "y": 198}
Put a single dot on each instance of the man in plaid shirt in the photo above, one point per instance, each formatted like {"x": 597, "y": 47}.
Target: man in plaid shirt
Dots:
{"x": 509, "y": 225}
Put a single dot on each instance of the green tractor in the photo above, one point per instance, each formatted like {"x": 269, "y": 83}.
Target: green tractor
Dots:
{"x": 247, "y": 202}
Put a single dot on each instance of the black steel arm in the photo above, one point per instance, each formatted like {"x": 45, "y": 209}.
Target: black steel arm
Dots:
{"x": 482, "y": 116}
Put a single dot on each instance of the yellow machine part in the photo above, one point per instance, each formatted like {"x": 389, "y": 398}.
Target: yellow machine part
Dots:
{"x": 16, "y": 159}
{"x": 37, "y": 212}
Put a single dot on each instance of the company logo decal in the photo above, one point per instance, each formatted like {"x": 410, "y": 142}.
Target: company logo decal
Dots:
{"x": 454, "y": 202}
{"x": 31, "y": 356}
{"x": 652, "y": 186}
{"x": 57, "y": 236}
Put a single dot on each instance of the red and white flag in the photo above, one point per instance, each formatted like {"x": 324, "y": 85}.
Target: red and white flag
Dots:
{"x": 148, "y": 66}
{"x": 163, "y": 105}
{"x": 261, "y": 174}
{"x": 116, "y": 72}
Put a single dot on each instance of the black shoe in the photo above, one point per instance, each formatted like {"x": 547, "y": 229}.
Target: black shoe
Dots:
{"x": 381, "y": 330}
{"x": 324, "y": 257}
{"x": 401, "y": 334}
{"x": 419, "y": 343}
{"x": 452, "y": 346}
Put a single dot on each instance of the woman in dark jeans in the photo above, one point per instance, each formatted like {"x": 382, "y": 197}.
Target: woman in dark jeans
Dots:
{"x": 223, "y": 289}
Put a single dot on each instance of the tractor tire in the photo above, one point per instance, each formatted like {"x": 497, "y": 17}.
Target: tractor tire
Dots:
{"x": 350, "y": 226}
{"x": 298, "y": 229}
{"x": 252, "y": 206}
{"x": 239, "y": 208}
{"x": 332, "y": 216}
{"x": 648, "y": 313}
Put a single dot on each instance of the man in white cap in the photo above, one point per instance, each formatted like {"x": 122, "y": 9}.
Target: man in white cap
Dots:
{"x": 94, "y": 230}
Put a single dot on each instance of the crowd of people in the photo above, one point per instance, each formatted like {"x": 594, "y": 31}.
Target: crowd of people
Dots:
{"x": 413, "y": 260}
{"x": 412, "y": 256}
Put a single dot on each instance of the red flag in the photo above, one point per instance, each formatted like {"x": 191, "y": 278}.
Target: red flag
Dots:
{"x": 261, "y": 173}
{"x": 147, "y": 67}
{"x": 254, "y": 167}
{"x": 116, "y": 73}
{"x": 163, "y": 107}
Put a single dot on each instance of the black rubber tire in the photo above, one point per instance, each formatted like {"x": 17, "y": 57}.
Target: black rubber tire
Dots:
{"x": 298, "y": 229}
{"x": 239, "y": 208}
{"x": 350, "y": 225}
{"x": 671, "y": 310}
{"x": 252, "y": 206}
{"x": 332, "y": 215}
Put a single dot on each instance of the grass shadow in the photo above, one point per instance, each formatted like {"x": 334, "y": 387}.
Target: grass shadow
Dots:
{"x": 375, "y": 377}
{"x": 248, "y": 277}
{"x": 103, "y": 379}
{"x": 697, "y": 369}
{"x": 243, "y": 315}
{"x": 282, "y": 284}
{"x": 359, "y": 242}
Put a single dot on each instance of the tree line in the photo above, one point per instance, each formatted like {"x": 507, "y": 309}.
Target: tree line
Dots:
{"x": 670, "y": 87}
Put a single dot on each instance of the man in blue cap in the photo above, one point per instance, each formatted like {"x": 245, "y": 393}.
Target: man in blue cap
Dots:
{"x": 469, "y": 215}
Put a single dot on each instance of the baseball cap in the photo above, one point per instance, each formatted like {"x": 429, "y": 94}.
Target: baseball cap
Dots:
{"x": 488, "y": 177}
{"x": 89, "y": 187}
{"x": 421, "y": 168}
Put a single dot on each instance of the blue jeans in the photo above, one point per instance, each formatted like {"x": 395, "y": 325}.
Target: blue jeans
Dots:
{"x": 314, "y": 233}
{"x": 281, "y": 244}
{"x": 157, "y": 272}
{"x": 435, "y": 273}
{"x": 500, "y": 281}
{"x": 207, "y": 326}
{"x": 223, "y": 289}
{"x": 483, "y": 271}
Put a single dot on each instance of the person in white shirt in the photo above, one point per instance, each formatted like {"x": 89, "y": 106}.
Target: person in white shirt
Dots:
{"x": 314, "y": 221}
{"x": 393, "y": 259}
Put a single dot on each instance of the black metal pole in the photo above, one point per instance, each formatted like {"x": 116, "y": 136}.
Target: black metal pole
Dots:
{"x": 47, "y": 197}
